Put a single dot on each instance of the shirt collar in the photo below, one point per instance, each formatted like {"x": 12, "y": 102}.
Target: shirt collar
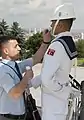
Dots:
{"x": 67, "y": 33}
{"x": 9, "y": 62}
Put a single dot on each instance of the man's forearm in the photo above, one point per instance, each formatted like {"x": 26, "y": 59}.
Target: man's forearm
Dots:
{"x": 18, "y": 89}
{"x": 37, "y": 58}
{"x": 40, "y": 53}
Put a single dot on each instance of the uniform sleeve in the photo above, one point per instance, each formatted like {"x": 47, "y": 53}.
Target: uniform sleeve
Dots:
{"x": 24, "y": 63}
{"x": 7, "y": 82}
{"x": 51, "y": 64}
{"x": 35, "y": 82}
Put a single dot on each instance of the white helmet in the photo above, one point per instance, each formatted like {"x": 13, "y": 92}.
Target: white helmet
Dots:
{"x": 64, "y": 11}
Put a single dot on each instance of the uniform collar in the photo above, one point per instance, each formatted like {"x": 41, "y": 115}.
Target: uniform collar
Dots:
{"x": 9, "y": 62}
{"x": 67, "y": 33}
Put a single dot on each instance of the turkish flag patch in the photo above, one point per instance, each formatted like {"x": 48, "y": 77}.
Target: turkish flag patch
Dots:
{"x": 51, "y": 52}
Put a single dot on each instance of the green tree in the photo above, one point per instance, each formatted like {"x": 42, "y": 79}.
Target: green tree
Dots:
{"x": 32, "y": 44}
{"x": 80, "y": 48}
{"x": 4, "y": 27}
{"x": 17, "y": 32}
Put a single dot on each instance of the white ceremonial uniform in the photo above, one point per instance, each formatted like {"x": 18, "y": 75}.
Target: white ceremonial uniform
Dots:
{"x": 55, "y": 79}
{"x": 8, "y": 79}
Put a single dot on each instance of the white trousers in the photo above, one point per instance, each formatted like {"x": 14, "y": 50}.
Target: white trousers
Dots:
{"x": 54, "y": 117}
{"x": 53, "y": 108}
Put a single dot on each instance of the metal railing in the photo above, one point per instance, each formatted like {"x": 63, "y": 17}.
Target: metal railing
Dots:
{"x": 74, "y": 101}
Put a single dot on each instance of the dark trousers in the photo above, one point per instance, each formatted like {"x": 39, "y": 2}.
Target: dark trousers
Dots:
{"x": 4, "y": 118}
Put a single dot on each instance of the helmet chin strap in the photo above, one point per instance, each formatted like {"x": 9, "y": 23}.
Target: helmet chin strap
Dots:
{"x": 53, "y": 32}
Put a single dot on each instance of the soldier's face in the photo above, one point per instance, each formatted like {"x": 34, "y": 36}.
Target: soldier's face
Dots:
{"x": 12, "y": 49}
{"x": 55, "y": 27}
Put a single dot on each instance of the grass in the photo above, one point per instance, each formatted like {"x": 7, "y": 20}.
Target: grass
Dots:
{"x": 80, "y": 62}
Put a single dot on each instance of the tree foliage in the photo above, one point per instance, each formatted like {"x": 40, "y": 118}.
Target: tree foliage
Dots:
{"x": 80, "y": 48}
{"x": 17, "y": 32}
{"x": 4, "y": 27}
{"x": 32, "y": 44}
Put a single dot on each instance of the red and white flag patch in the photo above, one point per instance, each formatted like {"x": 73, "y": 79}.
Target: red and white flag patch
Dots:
{"x": 51, "y": 52}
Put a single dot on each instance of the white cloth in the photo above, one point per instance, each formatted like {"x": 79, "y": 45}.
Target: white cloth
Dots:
{"x": 55, "y": 70}
{"x": 54, "y": 116}
{"x": 35, "y": 82}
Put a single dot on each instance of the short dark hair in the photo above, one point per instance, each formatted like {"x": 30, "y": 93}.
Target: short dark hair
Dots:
{"x": 5, "y": 39}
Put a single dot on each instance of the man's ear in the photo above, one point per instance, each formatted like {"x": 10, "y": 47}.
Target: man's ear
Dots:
{"x": 5, "y": 50}
{"x": 60, "y": 25}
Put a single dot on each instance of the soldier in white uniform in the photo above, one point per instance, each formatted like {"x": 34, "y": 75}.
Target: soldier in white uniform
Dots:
{"x": 11, "y": 88}
{"x": 57, "y": 64}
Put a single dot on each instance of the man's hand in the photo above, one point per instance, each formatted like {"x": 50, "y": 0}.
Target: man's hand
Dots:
{"x": 46, "y": 35}
{"x": 29, "y": 74}
{"x": 37, "y": 58}
{"x": 19, "y": 88}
